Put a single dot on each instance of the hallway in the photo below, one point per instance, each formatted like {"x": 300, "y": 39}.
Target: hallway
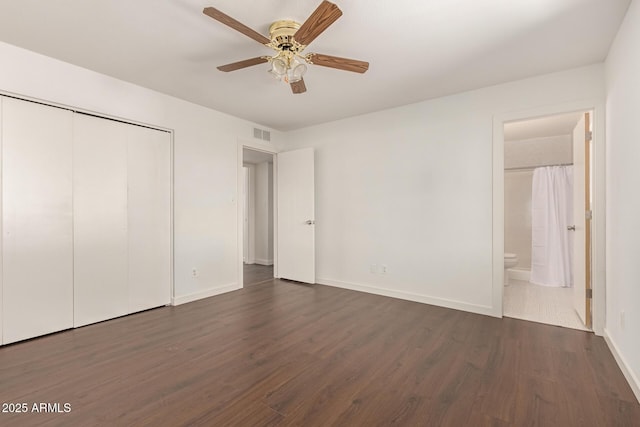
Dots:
{"x": 255, "y": 274}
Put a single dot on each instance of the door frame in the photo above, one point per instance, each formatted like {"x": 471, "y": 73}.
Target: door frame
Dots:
{"x": 598, "y": 201}
{"x": 269, "y": 149}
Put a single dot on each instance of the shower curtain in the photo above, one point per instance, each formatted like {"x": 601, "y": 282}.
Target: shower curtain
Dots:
{"x": 552, "y": 212}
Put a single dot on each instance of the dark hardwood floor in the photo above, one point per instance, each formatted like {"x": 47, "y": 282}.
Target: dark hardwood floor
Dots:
{"x": 254, "y": 274}
{"x": 290, "y": 354}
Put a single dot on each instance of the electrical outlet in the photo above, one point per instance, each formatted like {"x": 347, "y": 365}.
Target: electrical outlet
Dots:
{"x": 383, "y": 269}
{"x": 622, "y": 320}
{"x": 373, "y": 268}
{"x": 194, "y": 272}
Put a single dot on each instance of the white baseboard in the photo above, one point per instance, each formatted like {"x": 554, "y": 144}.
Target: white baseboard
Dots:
{"x": 518, "y": 274}
{"x": 425, "y": 299}
{"x": 631, "y": 377}
{"x": 183, "y": 299}
{"x": 264, "y": 261}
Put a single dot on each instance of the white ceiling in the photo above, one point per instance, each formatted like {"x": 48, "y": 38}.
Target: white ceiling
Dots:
{"x": 542, "y": 127}
{"x": 418, "y": 49}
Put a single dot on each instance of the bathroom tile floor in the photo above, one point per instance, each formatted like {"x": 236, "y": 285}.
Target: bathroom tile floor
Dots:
{"x": 553, "y": 306}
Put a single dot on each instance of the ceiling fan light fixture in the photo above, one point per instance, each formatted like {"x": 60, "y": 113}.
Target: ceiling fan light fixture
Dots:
{"x": 279, "y": 67}
{"x": 289, "y": 39}
{"x": 274, "y": 74}
{"x": 296, "y": 73}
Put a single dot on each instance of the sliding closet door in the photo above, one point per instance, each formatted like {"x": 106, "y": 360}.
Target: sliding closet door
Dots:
{"x": 37, "y": 242}
{"x": 149, "y": 220}
{"x": 100, "y": 219}
{"x": 1, "y": 232}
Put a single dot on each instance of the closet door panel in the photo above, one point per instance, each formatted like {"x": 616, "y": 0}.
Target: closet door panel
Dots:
{"x": 100, "y": 219}
{"x": 37, "y": 224}
{"x": 149, "y": 220}
{"x": 1, "y": 232}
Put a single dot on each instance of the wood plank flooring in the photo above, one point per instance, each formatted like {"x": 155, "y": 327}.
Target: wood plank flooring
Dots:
{"x": 254, "y": 274}
{"x": 289, "y": 354}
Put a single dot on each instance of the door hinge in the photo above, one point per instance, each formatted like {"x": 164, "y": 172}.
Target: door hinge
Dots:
{"x": 588, "y": 214}
{"x": 589, "y": 136}
{"x": 589, "y": 293}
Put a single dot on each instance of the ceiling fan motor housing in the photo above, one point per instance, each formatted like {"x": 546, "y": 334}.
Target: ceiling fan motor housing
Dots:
{"x": 282, "y": 36}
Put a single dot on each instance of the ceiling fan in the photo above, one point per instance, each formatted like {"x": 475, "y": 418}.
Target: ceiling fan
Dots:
{"x": 289, "y": 39}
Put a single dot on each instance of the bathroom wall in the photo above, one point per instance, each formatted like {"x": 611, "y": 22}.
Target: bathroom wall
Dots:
{"x": 526, "y": 154}
{"x": 538, "y": 151}
{"x": 517, "y": 216}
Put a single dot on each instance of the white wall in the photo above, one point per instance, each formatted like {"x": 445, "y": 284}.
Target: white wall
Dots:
{"x": 623, "y": 203}
{"x": 538, "y": 151}
{"x": 249, "y": 247}
{"x": 245, "y": 214}
{"x": 205, "y": 158}
{"x": 411, "y": 188}
{"x": 264, "y": 213}
{"x": 259, "y": 238}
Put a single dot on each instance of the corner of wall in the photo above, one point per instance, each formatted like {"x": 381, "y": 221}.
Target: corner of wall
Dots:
{"x": 206, "y": 293}
{"x": 632, "y": 377}
{"x": 409, "y": 296}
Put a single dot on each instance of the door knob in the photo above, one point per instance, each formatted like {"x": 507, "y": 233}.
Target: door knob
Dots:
{"x": 309, "y": 222}
{"x": 571, "y": 227}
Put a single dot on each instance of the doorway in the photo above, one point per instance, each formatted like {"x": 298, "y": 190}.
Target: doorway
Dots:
{"x": 257, "y": 217}
{"x": 547, "y": 182}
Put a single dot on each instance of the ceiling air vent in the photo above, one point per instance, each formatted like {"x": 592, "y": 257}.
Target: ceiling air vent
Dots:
{"x": 265, "y": 135}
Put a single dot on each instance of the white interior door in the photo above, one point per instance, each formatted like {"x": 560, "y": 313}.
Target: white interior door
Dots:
{"x": 581, "y": 251}
{"x": 296, "y": 215}
{"x": 149, "y": 218}
{"x": 1, "y": 232}
{"x": 100, "y": 220}
{"x": 37, "y": 242}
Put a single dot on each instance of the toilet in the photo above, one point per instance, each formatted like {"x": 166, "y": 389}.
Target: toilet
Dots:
{"x": 510, "y": 261}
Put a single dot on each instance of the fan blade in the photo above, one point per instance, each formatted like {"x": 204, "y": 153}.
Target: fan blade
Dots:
{"x": 298, "y": 87}
{"x": 339, "y": 63}
{"x": 243, "y": 64}
{"x": 229, "y": 21}
{"x": 326, "y": 14}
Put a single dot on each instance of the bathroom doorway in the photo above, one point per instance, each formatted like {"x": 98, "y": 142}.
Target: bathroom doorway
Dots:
{"x": 257, "y": 217}
{"x": 547, "y": 197}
